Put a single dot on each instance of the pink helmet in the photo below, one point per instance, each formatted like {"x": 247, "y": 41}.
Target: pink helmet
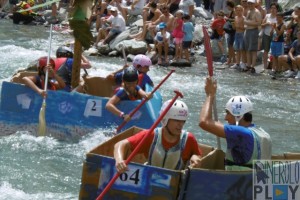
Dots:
{"x": 141, "y": 60}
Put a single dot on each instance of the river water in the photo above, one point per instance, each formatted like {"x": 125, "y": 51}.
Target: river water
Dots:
{"x": 45, "y": 168}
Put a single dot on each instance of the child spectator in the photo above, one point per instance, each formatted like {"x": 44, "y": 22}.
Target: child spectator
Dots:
{"x": 163, "y": 41}
{"x": 218, "y": 33}
{"x": 178, "y": 34}
{"x": 277, "y": 41}
{"x": 188, "y": 30}
{"x": 238, "y": 38}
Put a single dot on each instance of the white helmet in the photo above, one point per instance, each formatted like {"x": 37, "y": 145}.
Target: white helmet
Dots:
{"x": 239, "y": 105}
{"x": 178, "y": 111}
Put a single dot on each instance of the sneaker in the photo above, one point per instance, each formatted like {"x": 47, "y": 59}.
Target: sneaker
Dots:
{"x": 272, "y": 73}
{"x": 287, "y": 71}
{"x": 290, "y": 74}
{"x": 243, "y": 66}
{"x": 223, "y": 59}
{"x": 252, "y": 70}
{"x": 235, "y": 66}
{"x": 298, "y": 75}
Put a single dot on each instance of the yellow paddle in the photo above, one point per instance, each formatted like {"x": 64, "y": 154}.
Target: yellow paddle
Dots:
{"x": 42, "y": 121}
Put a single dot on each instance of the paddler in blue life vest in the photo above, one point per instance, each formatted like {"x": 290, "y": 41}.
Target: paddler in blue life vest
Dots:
{"x": 168, "y": 147}
{"x": 27, "y": 16}
{"x": 130, "y": 91}
{"x": 37, "y": 82}
{"x": 245, "y": 141}
{"x": 64, "y": 63}
{"x": 142, "y": 63}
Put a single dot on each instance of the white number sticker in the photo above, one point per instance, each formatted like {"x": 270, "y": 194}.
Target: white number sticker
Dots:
{"x": 93, "y": 108}
{"x": 132, "y": 179}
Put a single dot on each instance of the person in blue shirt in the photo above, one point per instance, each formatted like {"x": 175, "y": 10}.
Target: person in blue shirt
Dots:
{"x": 64, "y": 63}
{"x": 142, "y": 63}
{"x": 188, "y": 29}
{"x": 130, "y": 91}
{"x": 245, "y": 141}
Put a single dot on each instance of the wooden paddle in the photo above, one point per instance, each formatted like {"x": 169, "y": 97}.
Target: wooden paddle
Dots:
{"x": 210, "y": 69}
{"x": 137, "y": 148}
{"x": 144, "y": 101}
{"x": 42, "y": 121}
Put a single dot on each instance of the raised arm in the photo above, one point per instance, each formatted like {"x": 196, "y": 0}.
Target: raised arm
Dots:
{"x": 206, "y": 121}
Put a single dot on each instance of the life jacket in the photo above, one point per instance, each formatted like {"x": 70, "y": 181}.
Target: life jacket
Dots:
{"x": 126, "y": 94}
{"x": 59, "y": 62}
{"x": 63, "y": 70}
{"x": 41, "y": 83}
{"x": 24, "y": 5}
{"x": 262, "y": 150}
{"x": 170, "y": 159}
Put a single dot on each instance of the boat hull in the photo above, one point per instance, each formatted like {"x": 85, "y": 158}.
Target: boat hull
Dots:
{"x": 210, "y": 181}
{"x": 68, "y": 114}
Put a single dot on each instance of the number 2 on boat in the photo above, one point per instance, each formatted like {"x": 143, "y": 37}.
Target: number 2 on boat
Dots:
{"x": 93, "y": 107}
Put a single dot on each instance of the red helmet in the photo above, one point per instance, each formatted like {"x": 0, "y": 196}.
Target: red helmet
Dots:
{"x": 43, "y": 62}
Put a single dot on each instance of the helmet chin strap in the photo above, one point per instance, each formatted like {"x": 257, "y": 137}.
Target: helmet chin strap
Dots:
{"x": 237, "y": 120}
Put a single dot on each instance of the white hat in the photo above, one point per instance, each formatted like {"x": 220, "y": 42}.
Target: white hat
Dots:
{"x": 251, "y": 1}
{"x": 113, "y": 8}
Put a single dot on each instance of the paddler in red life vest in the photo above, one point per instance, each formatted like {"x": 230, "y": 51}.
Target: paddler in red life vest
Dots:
{"x": 168, "y": 147}
{"x": 27, "y": 16}
{"x": 37, "y": 82}
{"x": 64, "y": 63}
{"x": 130, "y": 91}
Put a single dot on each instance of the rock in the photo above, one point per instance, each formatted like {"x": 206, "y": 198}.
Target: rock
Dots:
{"x": 201, "y": 12}
{"x": 113, "y": 53}
{"x": 121, "y": 37}
{"x": 103, "y": 48}
{"x": 91, "y": 52}
{"x": 181, "y": 63}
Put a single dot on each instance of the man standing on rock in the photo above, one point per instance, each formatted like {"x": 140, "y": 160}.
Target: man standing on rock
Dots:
{"x": 252, "y": 22}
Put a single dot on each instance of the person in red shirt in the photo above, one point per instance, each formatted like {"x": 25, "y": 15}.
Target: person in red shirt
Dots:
{"x": 169, "y": 146}
{"x": 218, "y": 32}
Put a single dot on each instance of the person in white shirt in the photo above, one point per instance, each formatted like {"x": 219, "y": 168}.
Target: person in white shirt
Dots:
{"x": 136, "y": 8}
{"x": 117, "y": 25}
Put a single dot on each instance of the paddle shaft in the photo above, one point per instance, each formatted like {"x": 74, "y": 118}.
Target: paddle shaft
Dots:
{"x": 144, "y": 100}
{"x": 124, "y": 54}
{"x": 137, "y": 148}
{"x": 42, "y": 121}
{"x": 210, "y": 73}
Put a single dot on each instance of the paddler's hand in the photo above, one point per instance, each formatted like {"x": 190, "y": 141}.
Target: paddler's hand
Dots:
{"x": 210, "y": 86}
{"x": 121, "y": 166}
{"x": 126, "y": 118}
{"x": 148, "y": 96}
{"x": 43, "y": 93}
{"x": 195, "y": 161}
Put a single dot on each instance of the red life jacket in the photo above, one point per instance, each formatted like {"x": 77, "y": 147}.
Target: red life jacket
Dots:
{"x": 59, "y": 62}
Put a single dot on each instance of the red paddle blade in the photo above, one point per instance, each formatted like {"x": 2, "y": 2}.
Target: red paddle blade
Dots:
{"x": 208, "y": 51}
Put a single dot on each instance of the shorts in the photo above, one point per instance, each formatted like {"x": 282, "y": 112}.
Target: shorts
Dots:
{"x": 135, "y": 11}
{"x": 266, "y": 42}
{"x": 230, "y": 38}
{"x": 114, "y": 31}
{"x": 178, "y": 40}
{"x": 238, "y": 41}
{"x": 277, "y": 49}
{"x": 251, "y": 39}
{"x": 186, "y": 44}
{"x": 215, "y": 35}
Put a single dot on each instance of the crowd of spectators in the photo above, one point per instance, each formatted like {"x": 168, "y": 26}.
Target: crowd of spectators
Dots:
{"x": 256, "y": 26}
